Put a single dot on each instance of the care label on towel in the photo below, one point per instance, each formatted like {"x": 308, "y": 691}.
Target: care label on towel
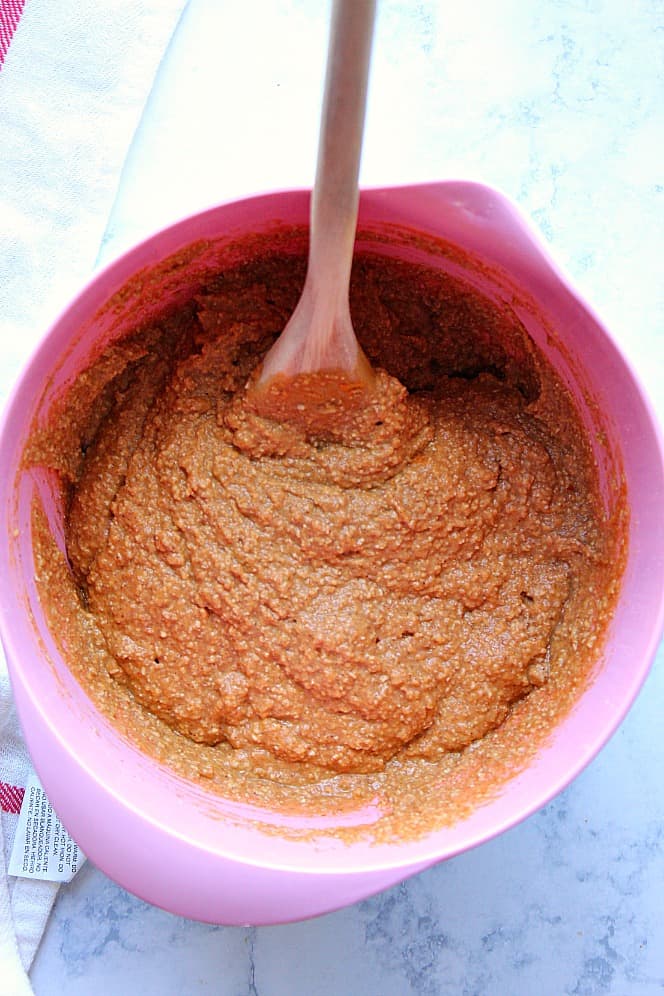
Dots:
{"x": 42, "y": 847}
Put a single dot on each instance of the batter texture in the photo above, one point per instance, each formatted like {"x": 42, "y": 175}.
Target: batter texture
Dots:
{"x": 328, "y": 603}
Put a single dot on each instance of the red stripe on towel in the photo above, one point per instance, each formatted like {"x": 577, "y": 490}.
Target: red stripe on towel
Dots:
{"x": 10, "y": 15}
{"x": 11, "y": 797}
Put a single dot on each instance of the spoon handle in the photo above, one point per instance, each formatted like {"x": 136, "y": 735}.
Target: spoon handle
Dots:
{"x": 335, "y": 196}
{"x": 319, "y": 334}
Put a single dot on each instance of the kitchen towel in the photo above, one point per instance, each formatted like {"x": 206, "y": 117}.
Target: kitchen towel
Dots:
{"x": 74, "y": 79}
{"x": 25, "y": 904}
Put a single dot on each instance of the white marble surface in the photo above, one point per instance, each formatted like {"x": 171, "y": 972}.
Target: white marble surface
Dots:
{"x": 557, "y": 103}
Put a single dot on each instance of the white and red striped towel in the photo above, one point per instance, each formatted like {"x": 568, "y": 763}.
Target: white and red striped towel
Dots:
{"x": 10, "y": 15}
{"x": 25, "y": 904}
{"x": 74, "y": 79}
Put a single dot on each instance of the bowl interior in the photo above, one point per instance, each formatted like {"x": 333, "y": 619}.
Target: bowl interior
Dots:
{"x": 619, "y": 422}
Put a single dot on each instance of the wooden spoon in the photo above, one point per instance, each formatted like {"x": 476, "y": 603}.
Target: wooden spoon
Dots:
{"x": 319, "y": 336}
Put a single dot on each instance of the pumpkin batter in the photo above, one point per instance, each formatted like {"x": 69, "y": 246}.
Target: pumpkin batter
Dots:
{"x": 312, "y": 603}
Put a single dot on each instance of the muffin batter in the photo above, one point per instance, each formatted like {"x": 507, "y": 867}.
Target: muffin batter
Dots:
{"x": 313, "y": 602}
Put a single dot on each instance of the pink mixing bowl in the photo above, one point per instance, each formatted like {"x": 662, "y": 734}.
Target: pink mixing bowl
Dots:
{"x": 205, "y": 857}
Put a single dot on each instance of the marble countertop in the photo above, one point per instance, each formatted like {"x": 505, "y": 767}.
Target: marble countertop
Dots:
{"x": 558, "y": 104}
